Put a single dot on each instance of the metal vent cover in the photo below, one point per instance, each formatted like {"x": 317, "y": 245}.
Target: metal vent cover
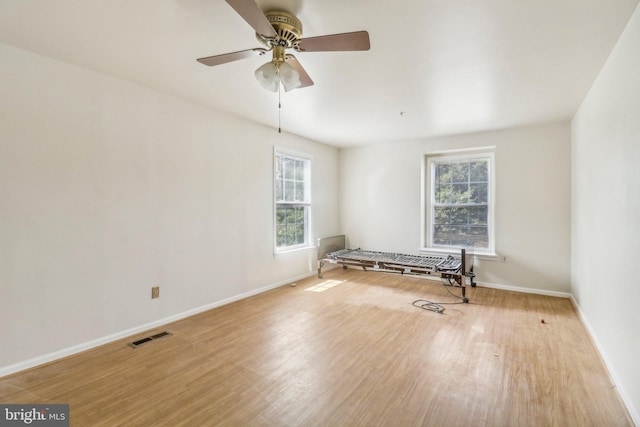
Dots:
{"x": 142, "y": 341}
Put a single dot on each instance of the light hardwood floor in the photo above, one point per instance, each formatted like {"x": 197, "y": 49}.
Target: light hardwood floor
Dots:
{"x": 356, "y": 354}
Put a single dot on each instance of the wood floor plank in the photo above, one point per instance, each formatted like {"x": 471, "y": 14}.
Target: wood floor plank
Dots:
{"x": 349, "y": 349}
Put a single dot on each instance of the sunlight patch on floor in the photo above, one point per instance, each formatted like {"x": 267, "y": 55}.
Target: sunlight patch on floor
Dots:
{"x": 321, "y": 287}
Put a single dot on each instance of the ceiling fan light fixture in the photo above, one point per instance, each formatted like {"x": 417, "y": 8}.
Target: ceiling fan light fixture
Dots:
{"x": 279, "y": 31}
{"x": 270, "y": 75}
{"x": 267, "y": 76}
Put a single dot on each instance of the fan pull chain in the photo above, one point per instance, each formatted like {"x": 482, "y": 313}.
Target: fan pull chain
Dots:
{"x": 279, "y": 105}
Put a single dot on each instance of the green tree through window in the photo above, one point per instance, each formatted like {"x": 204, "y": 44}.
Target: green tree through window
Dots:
{"x": 460, "y": 202}
{"x": 292, "y": 199}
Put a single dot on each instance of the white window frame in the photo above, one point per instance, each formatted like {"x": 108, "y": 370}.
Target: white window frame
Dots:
{"x": 428, "y": 176}
{"x": 306, "y": 203}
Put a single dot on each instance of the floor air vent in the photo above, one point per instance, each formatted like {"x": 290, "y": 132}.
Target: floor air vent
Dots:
{"x": 142, "y": 341}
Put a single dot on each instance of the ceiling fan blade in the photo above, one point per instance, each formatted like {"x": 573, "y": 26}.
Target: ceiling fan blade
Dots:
{"x": 230, "y": 57}
{"x": 358, "y": 40}
{"x": 305, "y": 80}
{"x": 251, "y": 13}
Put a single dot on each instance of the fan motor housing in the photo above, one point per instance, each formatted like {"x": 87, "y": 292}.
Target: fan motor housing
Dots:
{"x": 287, "y": 26}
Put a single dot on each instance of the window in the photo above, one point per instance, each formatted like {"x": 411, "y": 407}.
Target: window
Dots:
{"x": 292, "y": 201}
{"x": 459, "y": 195}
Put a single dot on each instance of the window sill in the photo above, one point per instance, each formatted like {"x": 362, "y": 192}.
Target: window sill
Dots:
{"x": 295, "y": 249}
{"x": 489, "y": 256}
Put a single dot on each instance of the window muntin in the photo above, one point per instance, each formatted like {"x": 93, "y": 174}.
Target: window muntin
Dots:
{"x": 292, "y": 201}
{"x": 460, "y": 210}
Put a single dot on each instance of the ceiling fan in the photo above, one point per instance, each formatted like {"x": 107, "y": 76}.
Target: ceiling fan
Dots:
{"x": 279, "y": 31}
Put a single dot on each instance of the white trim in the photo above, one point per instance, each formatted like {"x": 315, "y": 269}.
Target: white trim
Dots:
{"x": 488, "y": 148}
{"x": 489, "y": 256}
{"x": 426, "y": 195}
{"x": 546, "y": 292}
{"x": 309, "y": 171}
{"x": 299, "y": 248}
{"x": 293, "y": 153}
{"x": 615, "y": 379}
{"x": 50, "y": 357}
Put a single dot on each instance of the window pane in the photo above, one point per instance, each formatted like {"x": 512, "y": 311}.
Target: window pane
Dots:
{"x": 479, "y": 236}
{"x": 479, "y": 171}
{"x": 449, "y": 235}
{"x": 291, "y": 235}
{"x": 478, "y": 215}
{"x": 451, "y": 216}
{"x": 280, "y": 235}
{"x": 291, "y": 198}
{"x": 289, "y": 168}
{"x": 299, "y": 196}
{"x": 483, "y": 193}
{"x": 299, "y": 176}
{"x": 289, "y": 194}
{"x": 459, "y": 172}
{"x": 279, "y": 194}
{"x": 291, "y": 225}
{"x": 459, "y": 193}
{"x": 291, "y": 216}
{"x": 442, "y": 173}
{"x": 478, "y": 193}
{"x": 459, "y": 189}
{"x": 443, "y": 193}
{"x": 279, "y": 175}
{"x": 460, "y": 212}
{"x": 299, "y": 234}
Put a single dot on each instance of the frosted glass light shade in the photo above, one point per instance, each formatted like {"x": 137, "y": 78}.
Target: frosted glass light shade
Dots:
{"x": 267, "y": 76}
{"x": 289, "y": 76}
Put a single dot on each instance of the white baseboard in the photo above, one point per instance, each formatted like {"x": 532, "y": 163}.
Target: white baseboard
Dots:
{"x": 526, "y": 290}
{"x": 614, "y": 377}
{"x": 485, "y": 284}
{"x": 50, "y": 357}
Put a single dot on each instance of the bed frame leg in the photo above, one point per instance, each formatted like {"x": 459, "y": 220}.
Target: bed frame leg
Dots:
{"x": 320, "y": 264}
{"x": 471, "y": 275}
{"x": 463, "y": 274}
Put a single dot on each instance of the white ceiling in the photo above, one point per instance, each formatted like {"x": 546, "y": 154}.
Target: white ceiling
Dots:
{"x": 452, "y": 66}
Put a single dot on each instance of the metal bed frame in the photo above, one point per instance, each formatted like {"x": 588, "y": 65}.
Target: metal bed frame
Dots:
{"x": 455, "y": 269}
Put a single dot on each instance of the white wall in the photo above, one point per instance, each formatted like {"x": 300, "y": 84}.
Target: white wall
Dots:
{"x": 606, "y": 212}
{"x": 108, "y": 188}
{"x": 381, "y": 188}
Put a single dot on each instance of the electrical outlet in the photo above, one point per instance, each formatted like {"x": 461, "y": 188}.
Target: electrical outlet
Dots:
{"x": 155, "y": 292}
